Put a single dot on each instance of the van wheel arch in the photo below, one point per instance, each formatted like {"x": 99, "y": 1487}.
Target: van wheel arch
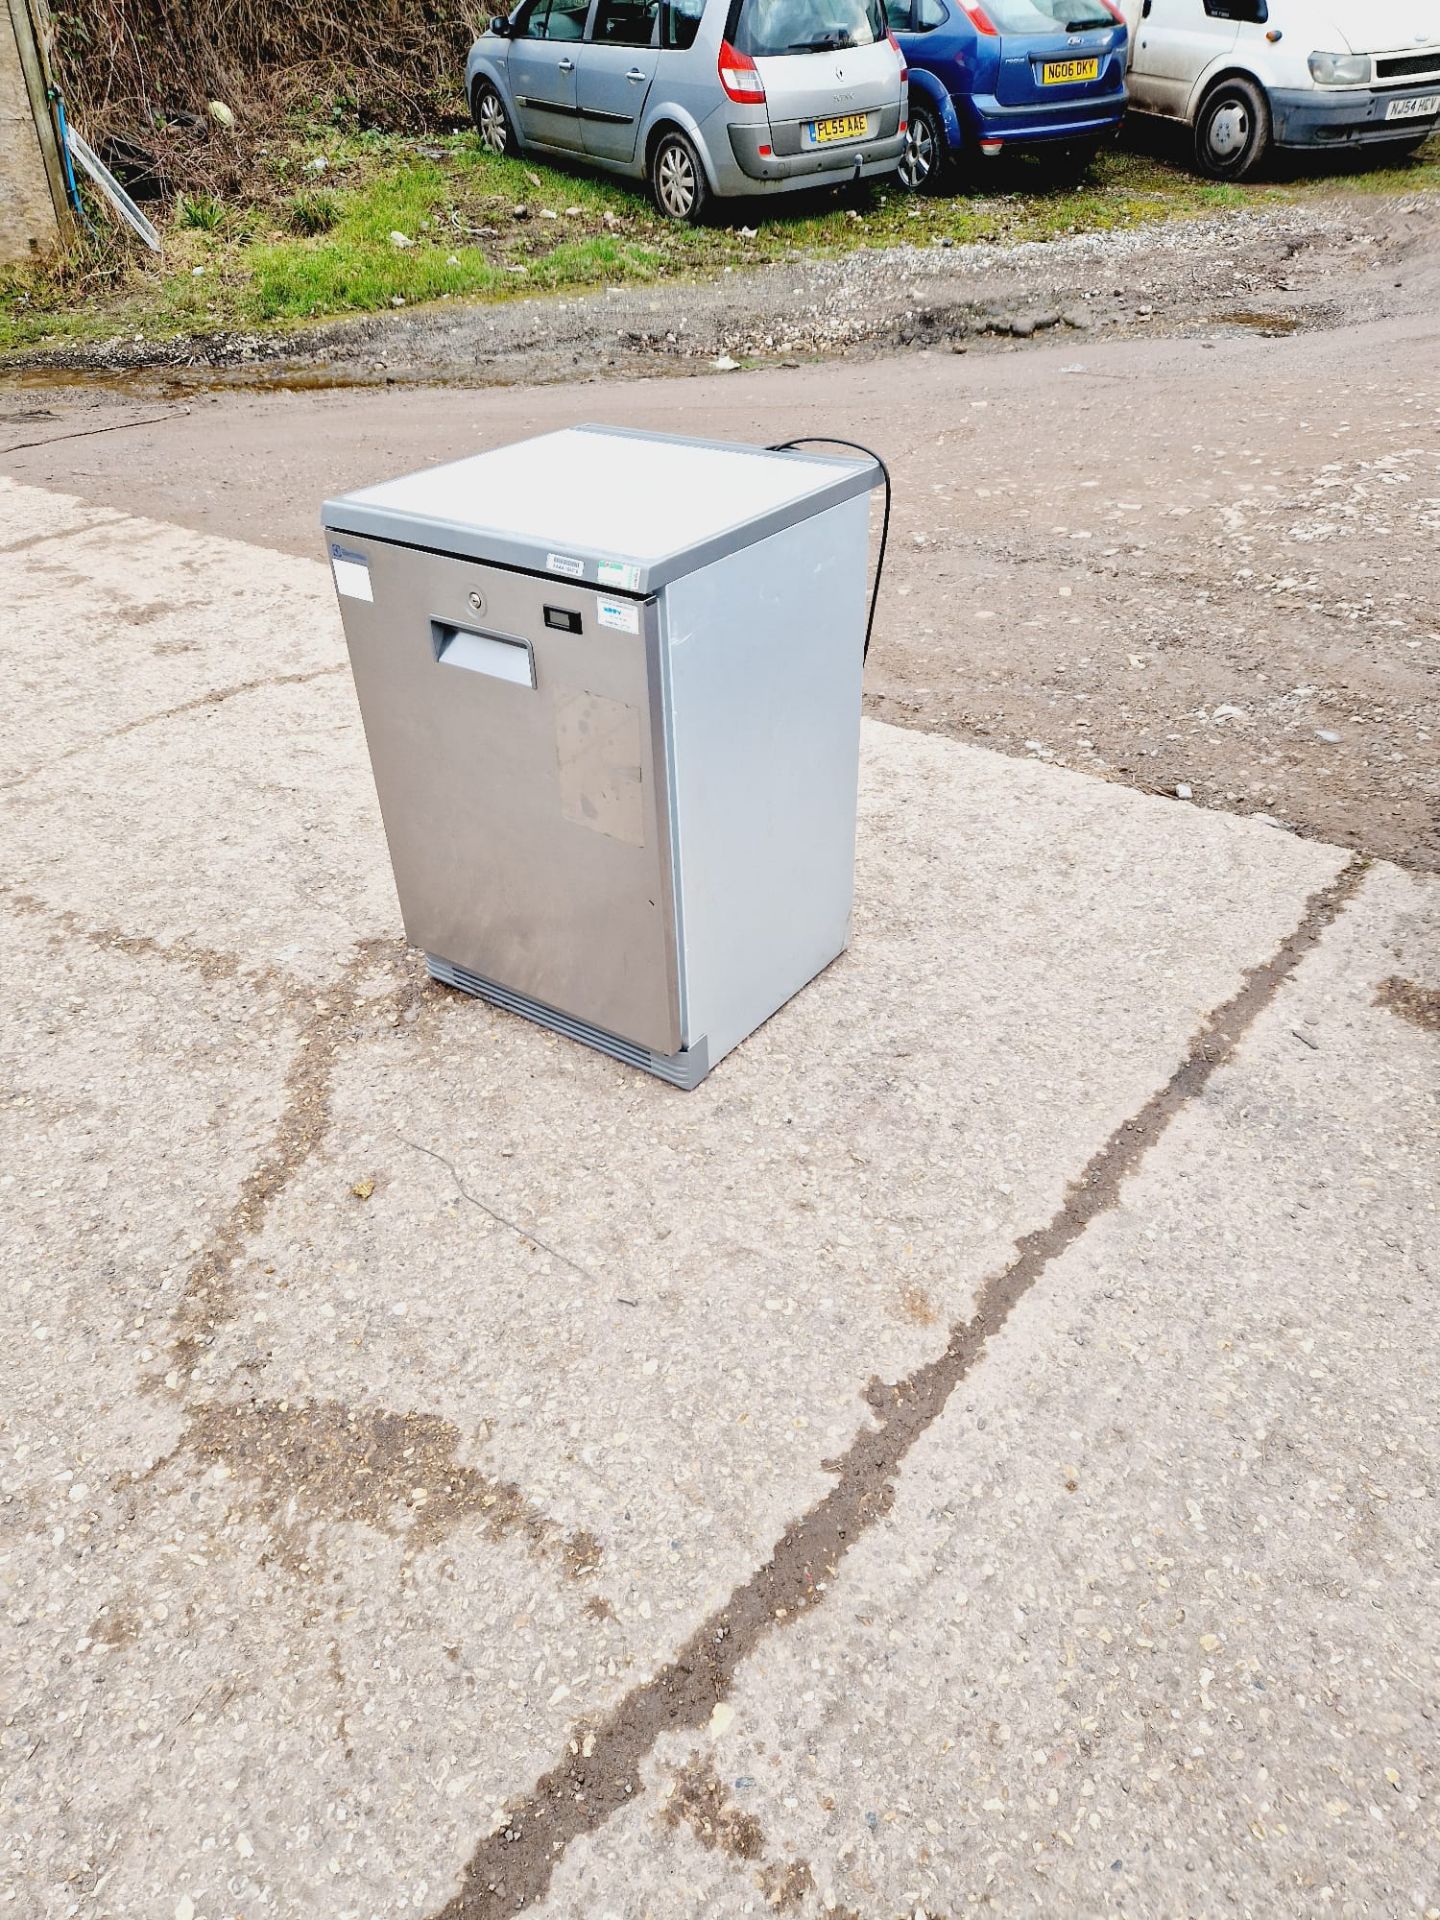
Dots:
{"x": 668, "y": 124}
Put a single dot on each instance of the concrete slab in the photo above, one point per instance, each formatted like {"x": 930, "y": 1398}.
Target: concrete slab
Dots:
{"x": 428, "y": 1382}
{"x": 111, "y": 621}
{"x": 1151, "y": 1626}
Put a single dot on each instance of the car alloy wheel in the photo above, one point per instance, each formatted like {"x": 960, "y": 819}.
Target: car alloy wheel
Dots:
{"x": 676, "y": 179}
{"x": 492, "y": 122}
{"x": 920, "y": 161}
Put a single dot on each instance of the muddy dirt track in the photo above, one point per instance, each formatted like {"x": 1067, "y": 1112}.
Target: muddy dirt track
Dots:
{"x": 1166, "y": 501}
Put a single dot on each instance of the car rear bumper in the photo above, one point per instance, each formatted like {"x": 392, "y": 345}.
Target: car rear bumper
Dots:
{"x": 1307, "y": 117}
{"x": 1091, "y": 118}
{"x": 817, "y": 164}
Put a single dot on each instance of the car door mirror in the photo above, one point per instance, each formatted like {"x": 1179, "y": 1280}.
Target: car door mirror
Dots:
{"x": 500, "y": 27}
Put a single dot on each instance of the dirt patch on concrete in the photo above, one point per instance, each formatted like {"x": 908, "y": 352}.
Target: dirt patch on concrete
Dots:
{"x": 699, "y": 1802}
{"x": 1419, "y": 1005}
{"x": 300, "y": 1467}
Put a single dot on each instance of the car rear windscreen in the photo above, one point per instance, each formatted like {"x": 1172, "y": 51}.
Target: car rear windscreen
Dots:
{"x": 765, "y": 28}
{"x": 1048, "y": 16}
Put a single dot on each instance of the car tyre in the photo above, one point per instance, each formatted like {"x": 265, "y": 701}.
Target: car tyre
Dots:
{"x": 677, "y": 180}
{"x": 492, "y": 121}
{"x": 1232, "y": 131}
{"x": 921, "y": 167}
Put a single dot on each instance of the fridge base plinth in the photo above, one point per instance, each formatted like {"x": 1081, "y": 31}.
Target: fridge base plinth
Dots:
{"x": 684, "y": 1070}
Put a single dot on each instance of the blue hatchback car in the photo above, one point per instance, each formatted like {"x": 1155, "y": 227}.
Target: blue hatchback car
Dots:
{"x": 993, "y": 75}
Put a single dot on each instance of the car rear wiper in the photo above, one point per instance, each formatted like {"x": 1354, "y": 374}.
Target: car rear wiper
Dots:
{"x": 825, "y": 43}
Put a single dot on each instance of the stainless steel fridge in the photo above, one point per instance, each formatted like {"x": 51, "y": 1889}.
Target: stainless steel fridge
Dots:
{"x": 610, "y": 683}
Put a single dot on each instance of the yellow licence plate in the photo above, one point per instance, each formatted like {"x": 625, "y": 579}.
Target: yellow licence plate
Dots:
{"x": 846, "y": 126}
{"x": 1061, "y": 73}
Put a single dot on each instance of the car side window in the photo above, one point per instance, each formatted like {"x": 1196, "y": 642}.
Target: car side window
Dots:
{"x": 679, "y": 23}
{"x": 566, "y": 19}
{"x": 929, "y": 14}
{"x": 897, "y": 15}
{"x": 530, "y": 24}
{"x": 1255, "y": 11}
{"x": 625, "y": 23}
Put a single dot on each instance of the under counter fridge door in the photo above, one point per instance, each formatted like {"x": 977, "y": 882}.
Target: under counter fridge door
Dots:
{"x": 515, "y": 729}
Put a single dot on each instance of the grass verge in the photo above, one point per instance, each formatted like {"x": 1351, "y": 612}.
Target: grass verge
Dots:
{"x": 340, "y": 224}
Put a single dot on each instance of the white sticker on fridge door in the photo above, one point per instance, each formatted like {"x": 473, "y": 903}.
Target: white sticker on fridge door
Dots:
{"x": 352, "y": 573}
{"x": 619, "y": 614}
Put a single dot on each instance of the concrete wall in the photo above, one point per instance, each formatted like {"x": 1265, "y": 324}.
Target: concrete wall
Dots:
{"x": 29, "y": 222}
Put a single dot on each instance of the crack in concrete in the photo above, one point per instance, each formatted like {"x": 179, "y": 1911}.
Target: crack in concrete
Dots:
{"x": 500, "y": 1219}
{"x": 511, "y": 1869}
{"x": 208, "y": 1299}
{"x": 88, "y": 433}
{"x": 104, "y": 517}
{"x": 211, "y": 963}
{"x": 214, "y": 699}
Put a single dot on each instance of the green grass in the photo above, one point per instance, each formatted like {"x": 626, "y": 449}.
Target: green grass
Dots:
{"x": 317, "y": 237}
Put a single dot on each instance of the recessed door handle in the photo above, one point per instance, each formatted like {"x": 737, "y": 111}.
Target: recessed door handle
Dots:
{"x": 567, "y": 66}
{"x": 636, "y": 74}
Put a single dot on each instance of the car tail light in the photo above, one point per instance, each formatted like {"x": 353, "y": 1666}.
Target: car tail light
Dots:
{"x": 899, "y": 55}
{"x": 979, "y": 19}
{"x": 740, "y": 77}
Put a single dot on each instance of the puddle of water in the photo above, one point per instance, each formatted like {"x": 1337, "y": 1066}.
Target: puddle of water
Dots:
{"x": 1272, "y": 323}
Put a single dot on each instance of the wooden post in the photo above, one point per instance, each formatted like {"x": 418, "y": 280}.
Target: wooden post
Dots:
{"x": 34, "y": 208}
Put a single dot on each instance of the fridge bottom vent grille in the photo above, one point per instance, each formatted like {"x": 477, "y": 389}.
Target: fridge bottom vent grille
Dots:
{"x": 685, "y": 1070}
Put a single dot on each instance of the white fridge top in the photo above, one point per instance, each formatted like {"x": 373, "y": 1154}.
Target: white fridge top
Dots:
{"x": 616, "y": 508}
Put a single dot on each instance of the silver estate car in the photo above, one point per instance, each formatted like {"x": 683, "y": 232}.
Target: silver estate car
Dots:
{"x": 701, "y": 98}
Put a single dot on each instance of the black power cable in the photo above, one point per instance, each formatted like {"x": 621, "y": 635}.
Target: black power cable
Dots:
{"x": 829, "y": 440}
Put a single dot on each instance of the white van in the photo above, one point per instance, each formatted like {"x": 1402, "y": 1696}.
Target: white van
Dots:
{"x": 1248, "y": 75}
